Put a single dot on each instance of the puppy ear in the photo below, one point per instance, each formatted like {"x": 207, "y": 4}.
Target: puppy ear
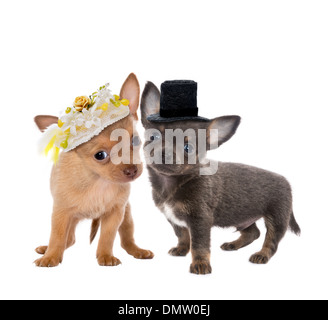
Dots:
{"x": 150, "y": 102}
{"x": 221, "y": 130}
{"x": 131, "y": 90}
{"x": 43, "y": 122}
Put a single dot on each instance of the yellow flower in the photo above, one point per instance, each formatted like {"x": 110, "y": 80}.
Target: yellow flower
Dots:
{"x": 81, "y": 102}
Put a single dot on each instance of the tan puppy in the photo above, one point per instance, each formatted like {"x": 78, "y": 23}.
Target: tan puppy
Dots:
{"x": 85, "y": 185}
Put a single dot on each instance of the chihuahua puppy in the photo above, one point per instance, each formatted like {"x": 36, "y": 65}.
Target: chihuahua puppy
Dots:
{"x": 86, "y": 184}
{"x": 236, "y": 195}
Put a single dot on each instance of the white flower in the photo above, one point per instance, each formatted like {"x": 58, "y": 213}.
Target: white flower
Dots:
{"x": 103, "y": 96}
{"x": 88, "y": 118}
{"x": 69, "y": 122}
{"x": 71, "y": 119}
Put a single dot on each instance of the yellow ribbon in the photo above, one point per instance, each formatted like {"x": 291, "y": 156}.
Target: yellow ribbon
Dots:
{"x": 52, "y": 148}
{"x": 50, "y": 145}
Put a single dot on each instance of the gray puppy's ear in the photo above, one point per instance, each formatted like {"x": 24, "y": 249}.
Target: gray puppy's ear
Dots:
{"x": 150, "y": 102}
{"x": 221, "y": 130}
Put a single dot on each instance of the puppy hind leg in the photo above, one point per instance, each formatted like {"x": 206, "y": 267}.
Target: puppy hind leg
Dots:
{"x": 41, "y": 249}
{"x": 248, "y": 235}
{"x": 275, "y": 232}
{"x": 126, "y": 232}
{"x": 71, "y": 233}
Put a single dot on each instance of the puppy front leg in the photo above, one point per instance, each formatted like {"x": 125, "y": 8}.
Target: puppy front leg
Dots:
{"x": 200, "y": 232}
{"x": 70, "y": 237}
{"x": 127, "y": 239}
{"x": 110, "y": 222}
{"x": 61, "y": 220}
{"x": 183, "y": 247}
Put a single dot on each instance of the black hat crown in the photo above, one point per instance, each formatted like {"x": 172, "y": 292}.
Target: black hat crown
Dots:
{"x": 179, "y": 99}
{"x": 178, "y": 102}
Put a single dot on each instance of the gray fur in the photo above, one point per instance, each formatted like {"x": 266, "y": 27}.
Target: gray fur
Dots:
{"x": 236, "y": 196}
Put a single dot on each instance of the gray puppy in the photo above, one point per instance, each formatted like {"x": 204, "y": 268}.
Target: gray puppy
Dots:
{"x": 236, "y": 195}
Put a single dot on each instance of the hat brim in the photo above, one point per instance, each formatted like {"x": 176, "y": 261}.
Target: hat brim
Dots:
{"x": 157, "y": 118}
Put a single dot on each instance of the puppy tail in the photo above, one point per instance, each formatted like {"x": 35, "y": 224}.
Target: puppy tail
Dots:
{"x": 294, "y": 225}
{"x": 94, "y": 229}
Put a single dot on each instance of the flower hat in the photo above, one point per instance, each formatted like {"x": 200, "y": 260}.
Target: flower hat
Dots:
{"x": 84, "y": 120}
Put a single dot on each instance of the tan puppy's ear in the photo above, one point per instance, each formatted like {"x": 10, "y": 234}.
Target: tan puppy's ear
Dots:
{"x": 131, "y": 91}
{"x": 43, "y": 122}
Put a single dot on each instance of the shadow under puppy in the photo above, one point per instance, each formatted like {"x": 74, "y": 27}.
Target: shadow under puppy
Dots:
{"x": 235, "y": 195}
{"x": 85, "y": 183}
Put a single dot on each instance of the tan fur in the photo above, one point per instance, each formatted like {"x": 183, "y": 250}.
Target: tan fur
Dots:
{"x": 200, "y": 262}
{"x": 83, "y": 188}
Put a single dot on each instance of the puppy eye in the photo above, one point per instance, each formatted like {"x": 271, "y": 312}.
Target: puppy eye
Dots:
{"x": 136, "y": 141}
{"x": 155, "y": 136}
{"x": 101, "y": 155}
{"x": 189, "y": 148}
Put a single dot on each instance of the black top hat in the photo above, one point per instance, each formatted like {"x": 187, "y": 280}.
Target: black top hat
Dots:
{"x": 178, "y": 102}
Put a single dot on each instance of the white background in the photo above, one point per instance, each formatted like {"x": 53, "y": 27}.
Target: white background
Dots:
{"x": 266, "y": 61}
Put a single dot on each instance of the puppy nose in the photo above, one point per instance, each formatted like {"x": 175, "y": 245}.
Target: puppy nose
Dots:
{"x": 130, "y": 171}
{"x": 167, "y": 156}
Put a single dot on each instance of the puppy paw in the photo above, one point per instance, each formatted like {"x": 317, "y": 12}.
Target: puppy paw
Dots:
{"x": 48, "y": 261}
{"x": 41, "y": 249}
{"x": 201, "y": 267}
{"x": 229, "y": 246}
{"x": 108, "y": 261}
{"x": 143, "y": 254}
{"x": 259, "y": 258}
{"x": 179, "y": 251}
